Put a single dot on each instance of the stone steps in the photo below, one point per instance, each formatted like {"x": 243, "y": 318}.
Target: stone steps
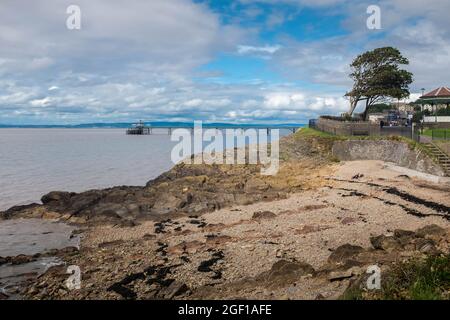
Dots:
{"x": 442, "y": 158}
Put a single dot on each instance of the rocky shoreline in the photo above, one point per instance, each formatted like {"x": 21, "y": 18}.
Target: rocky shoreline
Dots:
{"x": 225, "y": 232}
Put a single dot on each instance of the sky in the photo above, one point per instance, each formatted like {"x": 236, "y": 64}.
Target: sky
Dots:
{"x": 239, "y": 61}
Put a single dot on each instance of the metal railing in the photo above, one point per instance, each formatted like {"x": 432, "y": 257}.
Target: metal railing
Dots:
{"x": 440, "y": 134}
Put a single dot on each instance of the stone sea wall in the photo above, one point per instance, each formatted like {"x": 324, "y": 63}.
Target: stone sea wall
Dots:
{"x": 397, "y": 152}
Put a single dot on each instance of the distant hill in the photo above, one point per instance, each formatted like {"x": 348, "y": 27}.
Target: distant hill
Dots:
{"x": 153, "y": 124}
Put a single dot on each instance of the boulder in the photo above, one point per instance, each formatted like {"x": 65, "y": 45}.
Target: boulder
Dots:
{"x": 263, "y": 215}
{"x": 399, "y": 233}
{"x": 432, "y": 231}
{"x": 342, "y": 275}
{"x": 56, "y": 196}
{"x": 20, "y": 259}
{"x": 426, "y": 246}
{"x": 386, "y": 243}
{"x": 344, "y": 253}
{"x": 285, "y": 272}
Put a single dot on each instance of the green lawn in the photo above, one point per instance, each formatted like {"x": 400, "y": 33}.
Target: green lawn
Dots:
{"x": 438, "y": 133}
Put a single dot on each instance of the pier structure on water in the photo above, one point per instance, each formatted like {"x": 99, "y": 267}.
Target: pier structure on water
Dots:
{"x": 141, "y": 128}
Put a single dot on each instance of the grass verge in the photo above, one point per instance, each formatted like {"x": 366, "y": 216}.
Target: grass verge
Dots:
{"x": 425, "y": 279}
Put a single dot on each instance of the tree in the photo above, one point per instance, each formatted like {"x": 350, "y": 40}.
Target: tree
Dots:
{"x": 377, "y": 76}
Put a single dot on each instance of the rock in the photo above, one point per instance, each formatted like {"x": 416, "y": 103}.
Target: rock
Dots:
{"x": 166, "y": 204}
{"x": 341, "y": 275}
{"x": 33, "y": 291}
{"x": 3, "y": 296}
{"x": 284, "y": 272}
{"x": 20, "y": 259}
{"x": 176, "y": 288}
{"x": 69, "y": 250}
{"x": 426, "y": 246}
{"x": 344, "y": 252}
{"x": 149, "y": 236}
{"x": 398, "y": 233}
{"x": 50, "y": 215}
{"x": 320, "y": 297}
{"x": 431, "y": 231}
{"x": 405, "y": 238}
{"x": 386, "y": 243}
{"x": 255, "y": 184}
{"x": 17, "y": 210}
{"x": 3, "y": 261}
{"x": 56, "y": 196}
{"x": 263, "y": 215}
{"x": 348, "y": 220}
{"x": 218, "y": 240}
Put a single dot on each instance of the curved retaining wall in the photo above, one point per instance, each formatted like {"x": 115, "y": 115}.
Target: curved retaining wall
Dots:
{"x": 388, "y": 151}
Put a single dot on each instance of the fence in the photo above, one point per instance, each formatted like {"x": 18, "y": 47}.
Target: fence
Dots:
{"x": 440, "y": 134}
{"x": 354, "y": 128}
{"x": 407, "y": 132}
{"x": 346, "y": 128}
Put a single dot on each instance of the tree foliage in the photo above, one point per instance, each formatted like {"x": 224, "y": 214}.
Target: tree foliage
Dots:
{"x": 377, "y": 76}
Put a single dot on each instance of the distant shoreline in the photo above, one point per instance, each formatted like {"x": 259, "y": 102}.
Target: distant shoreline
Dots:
{"x": 123, "y": 125}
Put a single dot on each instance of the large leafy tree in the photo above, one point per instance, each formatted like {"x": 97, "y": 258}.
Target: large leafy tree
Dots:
{"x": 377, "y": 76}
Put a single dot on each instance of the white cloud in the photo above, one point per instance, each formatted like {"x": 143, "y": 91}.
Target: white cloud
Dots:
{"x": 251, "y": 49}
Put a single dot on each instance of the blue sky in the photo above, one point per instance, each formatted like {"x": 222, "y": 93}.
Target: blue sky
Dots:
{"x": 232, "y": 61}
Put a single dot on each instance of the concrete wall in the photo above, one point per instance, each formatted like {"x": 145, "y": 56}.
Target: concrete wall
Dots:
{"x": 386, "y": 150}
{"x": 348, "y": 128}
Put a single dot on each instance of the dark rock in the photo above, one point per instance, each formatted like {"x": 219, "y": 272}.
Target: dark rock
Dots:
{"x": 426, "y": 246}
{"x": 17, "y": 209}
{"x": 3, "y": 261}
{"x": 431, "y": 230}
{"x": 20, "y": 259}
{"x": 3, "y": 296}
{"x": 398, "y": 233}
{"x": 263, "y": 215}
{"x": 342, "y": 275}
{"x": 56, "y": 196}
{"x": 206, "y": 265}
{"x": 344, "y": 252}
{"x": 69, "y": 250}
{"x": 285, "y": 272}
{"x": 404, "y": 237}
{"x": 386, "y": 243}
{"x": 176, "y": 288}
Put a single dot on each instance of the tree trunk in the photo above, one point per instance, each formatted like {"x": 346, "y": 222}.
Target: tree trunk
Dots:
{"x": 353, "y": 104}
{"x": 366, "y": 111}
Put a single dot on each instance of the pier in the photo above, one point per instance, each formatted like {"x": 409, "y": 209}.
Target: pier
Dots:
{"x": 141, "y": 128}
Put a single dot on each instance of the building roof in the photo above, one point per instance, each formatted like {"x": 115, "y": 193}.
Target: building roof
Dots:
{"x": 442, "y": 92}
